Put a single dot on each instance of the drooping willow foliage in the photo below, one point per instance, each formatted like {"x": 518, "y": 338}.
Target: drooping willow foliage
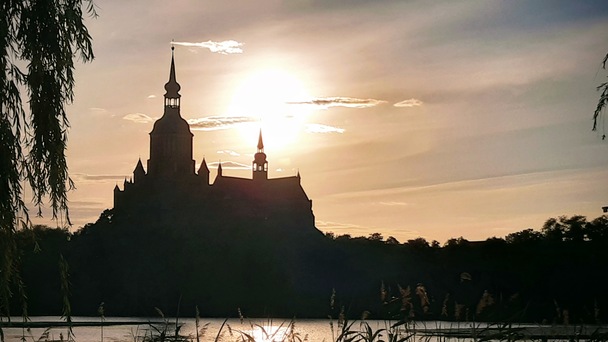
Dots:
{"x": 603, "y": 101}
{"x": 39, "y": 42}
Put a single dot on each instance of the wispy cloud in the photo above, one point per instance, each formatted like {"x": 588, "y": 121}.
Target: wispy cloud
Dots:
{"x": 97, "y": 110}
{"x": 341, "y": 228}
{"x": 138, "y": 117}
{"x": 340, "y": 101}
{"x": 212, "y": 123}
{"x": 409, "y": 103}
{"x": 152, "y": 96}
{"x": 230, "y": 152}
{"x": 394, "y": 204}
{"x": 318, "y": 128}
{"x": 82, "y": 177}
{"x": 229, "y": 165}
{"x": 224, "y": 47}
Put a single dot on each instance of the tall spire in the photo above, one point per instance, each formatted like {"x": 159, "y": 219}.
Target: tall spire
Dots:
{"x": 171, "y": 138}
{"x": 260, "y": 142}
{"x": 172, "y": 87}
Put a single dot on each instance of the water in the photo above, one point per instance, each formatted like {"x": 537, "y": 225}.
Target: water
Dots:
{"x": 266, "y": 330}
{"x": 231, "y": 330}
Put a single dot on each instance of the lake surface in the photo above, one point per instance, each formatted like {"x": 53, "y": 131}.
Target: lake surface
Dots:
{"x": 137, "y": 328}
{"x": 266, "y": 330}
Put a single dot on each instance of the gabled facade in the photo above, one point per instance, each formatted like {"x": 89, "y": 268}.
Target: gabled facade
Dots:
{"x": 171, "y": 182}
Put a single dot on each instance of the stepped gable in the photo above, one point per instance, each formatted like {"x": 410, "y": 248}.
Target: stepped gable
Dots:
{"x": 171, "y": 184}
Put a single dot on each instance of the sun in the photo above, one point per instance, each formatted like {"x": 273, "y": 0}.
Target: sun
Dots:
{"x": 268, "y": 96}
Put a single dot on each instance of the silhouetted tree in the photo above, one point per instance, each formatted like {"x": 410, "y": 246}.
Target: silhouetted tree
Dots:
{"x": 527, "y": 235}
{"x": 597, "y": 230}
{"x": 553, "y": 229}
{"x": 392, "y": 240}
{"x": 375, "y": 237}
{"x": 133, "y": 265}
{"x": 601, "y": 103}
{"x": 344, "y": 237}
{"x": 575, "y": 227}
{"x": 45, "y": 36}
{"x": 455, "y": 242}
{"x": 419, "y": 242}
{"x": 330, "y": 235}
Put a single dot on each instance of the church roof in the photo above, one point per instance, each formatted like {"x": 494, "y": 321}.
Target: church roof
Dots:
{"x": 275, "y": 189}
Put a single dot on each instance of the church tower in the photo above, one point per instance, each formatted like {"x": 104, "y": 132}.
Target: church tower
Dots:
{"x": 171, "y": 139}
{"x": 260, "y": 164}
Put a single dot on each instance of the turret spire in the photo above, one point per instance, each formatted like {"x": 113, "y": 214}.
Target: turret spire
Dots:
{"x": 203, "y": 168}
{"x": 172, "y": 87}
{"x": 139, "y": 173}
{"x": 260, "y": 164}
{"x": 219, "y": 169}
{"x": 260, "y": 142}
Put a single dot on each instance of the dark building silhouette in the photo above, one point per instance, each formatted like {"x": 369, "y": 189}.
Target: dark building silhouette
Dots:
{"x": 171, "y": 182}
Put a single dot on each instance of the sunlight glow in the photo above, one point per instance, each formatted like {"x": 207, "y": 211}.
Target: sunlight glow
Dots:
{"x": 268, "y": 333}
{"x": 265, "y": 95}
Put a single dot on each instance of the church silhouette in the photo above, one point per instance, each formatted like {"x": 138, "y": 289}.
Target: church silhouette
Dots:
{"x": 171, "y": 184}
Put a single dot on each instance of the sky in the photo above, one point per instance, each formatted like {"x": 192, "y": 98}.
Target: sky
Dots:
{"x": 434, "y": 119}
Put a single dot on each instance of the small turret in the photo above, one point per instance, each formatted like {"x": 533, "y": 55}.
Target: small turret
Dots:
{"x": 203, "y": 172}
{"x": 139, "y": 173}
{"x": 260, "y": 164}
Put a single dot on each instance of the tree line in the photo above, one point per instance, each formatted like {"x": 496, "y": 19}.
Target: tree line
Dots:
{"x": 552, "y": 275}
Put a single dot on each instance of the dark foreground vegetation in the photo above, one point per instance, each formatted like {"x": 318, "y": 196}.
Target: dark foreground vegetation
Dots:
{"x": 555, "y": 275}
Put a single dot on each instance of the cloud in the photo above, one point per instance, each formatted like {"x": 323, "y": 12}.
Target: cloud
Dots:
{"x": 350, "y": 102}
{"x": 212, "y": 123}
{"x": 86, "y": 204}
{"x": 97, "y": 110}
{"x": 318, "y": 128}
{"x": 409, "y": 103}
{"x": 138, "y": 117}
{"x": 229, "y": 165}
{"x": 152, "y": 96}
{"x": 394, "y": 203}
{"x": 230, "y": 152}
{"x": 340, "y": 228}
{"x": 82, "y": 177}
{"x": 224, "y": 47}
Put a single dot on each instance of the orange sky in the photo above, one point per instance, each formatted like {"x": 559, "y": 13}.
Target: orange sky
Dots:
{"x": 439, "y": 119}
